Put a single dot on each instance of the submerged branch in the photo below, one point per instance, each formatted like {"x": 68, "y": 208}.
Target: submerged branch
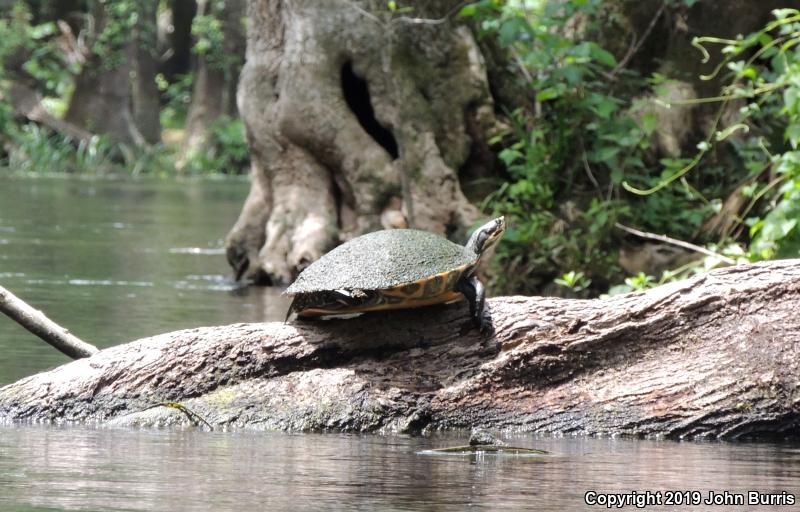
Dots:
{"x": 37, "y": 323}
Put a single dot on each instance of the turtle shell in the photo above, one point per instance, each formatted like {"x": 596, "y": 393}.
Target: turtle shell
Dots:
{"x": 381, "y": 260}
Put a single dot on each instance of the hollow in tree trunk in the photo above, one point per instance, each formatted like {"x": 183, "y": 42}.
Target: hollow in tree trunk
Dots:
{"x": 357, "y": 119}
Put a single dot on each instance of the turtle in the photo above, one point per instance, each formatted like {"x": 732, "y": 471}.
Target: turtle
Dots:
{"x": 394, "y": 269}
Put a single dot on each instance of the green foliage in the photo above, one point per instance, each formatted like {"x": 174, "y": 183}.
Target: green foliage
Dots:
{"x": 31, "y": 49}
{"x": 575, "y": 281}
{"x": 567, "y": 155}
{"x": 121, "y": 18}
{"x": 208, "y": 31}
{"x": 178, "y": 97}
{"x": 36, "y": 150}
{"x": 34, "y": 49}
{"x": 574, "y": 155}
{"x": 33, "y": 52}
{"x": 225, "y": 151}
{"x": 764, "y": 70}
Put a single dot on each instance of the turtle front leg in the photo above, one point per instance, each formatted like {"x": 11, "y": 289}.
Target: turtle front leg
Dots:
{"x": 473, "y": 290}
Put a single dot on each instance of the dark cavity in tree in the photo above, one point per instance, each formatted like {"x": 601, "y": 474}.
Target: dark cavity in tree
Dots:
{"x": 356, "y": 94}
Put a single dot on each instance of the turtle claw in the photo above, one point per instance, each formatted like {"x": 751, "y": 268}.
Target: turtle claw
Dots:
{"x": 484, "y": 323}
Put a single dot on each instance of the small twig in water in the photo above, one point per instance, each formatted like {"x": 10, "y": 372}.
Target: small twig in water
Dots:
{"x": 195, "y": 418}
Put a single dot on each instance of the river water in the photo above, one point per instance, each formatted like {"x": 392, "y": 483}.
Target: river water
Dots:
{"x": 116, "y": 260}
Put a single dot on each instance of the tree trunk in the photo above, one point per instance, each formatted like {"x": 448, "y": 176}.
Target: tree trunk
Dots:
{"x": 351, "y": 110}
{"x": 146, "y": 97}
{"x": 714, "y": 356}
{"x": 27, "y": 103}
{"x": 179, "y": 58}
{"x": 214, "y": 79}
{"x": 101, "y": 102}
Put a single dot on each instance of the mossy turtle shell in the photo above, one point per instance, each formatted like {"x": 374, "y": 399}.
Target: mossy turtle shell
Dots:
{"x": 383, "y": 259}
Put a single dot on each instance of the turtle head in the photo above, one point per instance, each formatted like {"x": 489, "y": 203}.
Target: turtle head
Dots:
{"x": 487, "y": 235}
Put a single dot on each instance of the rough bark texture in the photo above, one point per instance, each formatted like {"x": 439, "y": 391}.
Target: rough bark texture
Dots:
{"x": 718, "y": 355}
{"x": 348, "y": 108}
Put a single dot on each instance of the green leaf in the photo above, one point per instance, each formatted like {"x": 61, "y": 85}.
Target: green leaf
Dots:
{"x": 793, "y": 135}
{"x": 604, "y": 107}
{"x": 468, "y": 10}
{"x": 511, "y": 30}
{"x": 602, "y": 56}
{"x": 649, "y": 123}
{"x": 604, "y": 154}
{"x": 546, "y": 94}
{"x": 573, "y": 73}
{"x": 782, "y": 14}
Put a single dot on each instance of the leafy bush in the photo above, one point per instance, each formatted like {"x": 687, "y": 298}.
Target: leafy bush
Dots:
{"x": 566, "y": 156}
{"x": 765, "y": 72}
{"x": 580, "y": 158}
{"x": 225, "y": 151}
{"x": 35, "y": 149}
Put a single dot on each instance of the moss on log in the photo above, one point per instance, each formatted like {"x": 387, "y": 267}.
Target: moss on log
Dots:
{"x": 714, "y": 356}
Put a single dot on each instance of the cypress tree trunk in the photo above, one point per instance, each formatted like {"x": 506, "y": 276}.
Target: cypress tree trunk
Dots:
{"x": 357, "y": 118}
{"x": 146, "y": 101}
{"x": 101, "y": 102}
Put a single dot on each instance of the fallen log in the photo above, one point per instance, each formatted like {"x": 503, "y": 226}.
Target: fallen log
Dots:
{"x": 27, "y": 103}
{"x": 714, "y": 356}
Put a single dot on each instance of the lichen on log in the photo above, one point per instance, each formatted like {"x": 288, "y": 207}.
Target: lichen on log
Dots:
{"x": 713, "y": 356}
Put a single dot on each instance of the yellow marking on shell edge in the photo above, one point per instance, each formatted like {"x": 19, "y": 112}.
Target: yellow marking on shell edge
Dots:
{"x": 428, "y": 288}
{"x": 439, "y": 299}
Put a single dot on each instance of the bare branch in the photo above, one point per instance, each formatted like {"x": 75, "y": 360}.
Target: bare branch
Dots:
{"x": 673, "y": 241}
{"x": 36, "y": 322}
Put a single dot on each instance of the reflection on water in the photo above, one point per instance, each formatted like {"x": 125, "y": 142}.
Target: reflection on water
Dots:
{"x": 85, "y": 469}
{"x": 117, "y": 260}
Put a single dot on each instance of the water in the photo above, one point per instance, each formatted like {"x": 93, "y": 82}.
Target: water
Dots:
{"x": 119, "y": 260}
{"x": 111, "y": 470}
{"x": 116, "y": 260}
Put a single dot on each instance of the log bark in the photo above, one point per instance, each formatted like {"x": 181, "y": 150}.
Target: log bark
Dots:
{"x": 351, "y": 110}
{"x": 714, "y": 356}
